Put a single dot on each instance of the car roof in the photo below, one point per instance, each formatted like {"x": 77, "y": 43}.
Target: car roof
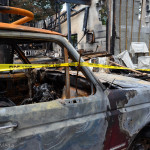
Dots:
{"x": 12, "y": 27}
{"x": 17, "y": 25}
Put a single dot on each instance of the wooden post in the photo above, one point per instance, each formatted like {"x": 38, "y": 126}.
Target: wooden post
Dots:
{"x": 132, "y": 21}
{"x": 139, "y": 34}
{"x": 120, "y": 25}
{"x": 67, "y": 79}
{"x": 126, "y": 44}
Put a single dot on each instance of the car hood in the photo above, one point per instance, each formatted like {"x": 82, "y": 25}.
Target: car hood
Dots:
{"x": 122, "y": 81}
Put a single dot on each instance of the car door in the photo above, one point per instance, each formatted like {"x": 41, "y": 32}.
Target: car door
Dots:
{"x": 77, "y": 123}
{"x": 72, "y": 124}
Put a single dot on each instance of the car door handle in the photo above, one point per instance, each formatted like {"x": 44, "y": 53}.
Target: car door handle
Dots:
{"x": 7, "y": 127}
{"x": 13, "y": 125}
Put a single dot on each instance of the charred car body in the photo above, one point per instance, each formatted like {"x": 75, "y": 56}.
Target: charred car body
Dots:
{"x": 45, "y": 109}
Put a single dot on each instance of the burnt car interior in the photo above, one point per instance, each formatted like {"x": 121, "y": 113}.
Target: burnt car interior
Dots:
{"x": 30, "y": 86}
{"x": 20, "y": 87}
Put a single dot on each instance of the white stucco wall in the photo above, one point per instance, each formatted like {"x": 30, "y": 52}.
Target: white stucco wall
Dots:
{"x": 93, "y": 25}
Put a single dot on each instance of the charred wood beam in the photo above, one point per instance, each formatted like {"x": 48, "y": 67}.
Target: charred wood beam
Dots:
{"x": 67, "y": 79}
{"x": 133, "y": 70}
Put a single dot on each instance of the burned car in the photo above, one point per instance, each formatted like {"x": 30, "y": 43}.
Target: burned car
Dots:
{"x": 61, "y": 109}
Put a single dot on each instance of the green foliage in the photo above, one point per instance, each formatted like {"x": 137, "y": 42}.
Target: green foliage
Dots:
{"x": 103, "y": 11}
{"x": 103, "y": 16}
{"x": 40, "y": 8}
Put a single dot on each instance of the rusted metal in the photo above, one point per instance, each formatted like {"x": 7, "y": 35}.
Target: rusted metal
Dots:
{"x": 80, "y": 93}
{"x": 9, "y": 75}
{"x": 107, "y": 119}
{"x": 39, "y": 60}
{"x": 25, "y": 28}
{"x": 67, "y": 79}
{"x": 21, "y": 54}
{"x": 18, "y": 11}
{"x": 26, "y": 61}
{"x": 78, "y": 68}
{"x": 14, "y": 87}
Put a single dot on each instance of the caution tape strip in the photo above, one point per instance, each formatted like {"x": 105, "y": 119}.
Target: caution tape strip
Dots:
{"x": 8, "y": 67}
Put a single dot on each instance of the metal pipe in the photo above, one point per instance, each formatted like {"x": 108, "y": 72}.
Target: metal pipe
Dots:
{"x": 69, "y": 21}
{"x": 12, "y": 10}
{"x": 85, "y": 20}
{"x": 139, "y": 34}
{"x": 126, "y": 44}
{"x": 113, "y": 28}
{"x": 132, "y": 21}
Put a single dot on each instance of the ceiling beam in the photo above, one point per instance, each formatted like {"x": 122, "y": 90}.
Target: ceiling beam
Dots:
{"x": 84, "y": 2}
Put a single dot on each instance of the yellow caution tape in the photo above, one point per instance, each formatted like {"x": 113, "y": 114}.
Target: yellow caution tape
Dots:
{"x": 8, "y": 67}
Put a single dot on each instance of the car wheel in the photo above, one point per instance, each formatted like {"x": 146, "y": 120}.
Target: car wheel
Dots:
{"x": 141, "y": 144}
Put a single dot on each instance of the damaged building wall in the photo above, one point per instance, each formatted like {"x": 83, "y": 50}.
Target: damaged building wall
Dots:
{"x": 125, "y": 34}
{"x": 127, "y": 25}
{"x": 147, "y": 18}
{"x": 94, "y": 25}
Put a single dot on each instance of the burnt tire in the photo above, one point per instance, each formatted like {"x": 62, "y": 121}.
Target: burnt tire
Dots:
{"x": 142, "y": 143}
